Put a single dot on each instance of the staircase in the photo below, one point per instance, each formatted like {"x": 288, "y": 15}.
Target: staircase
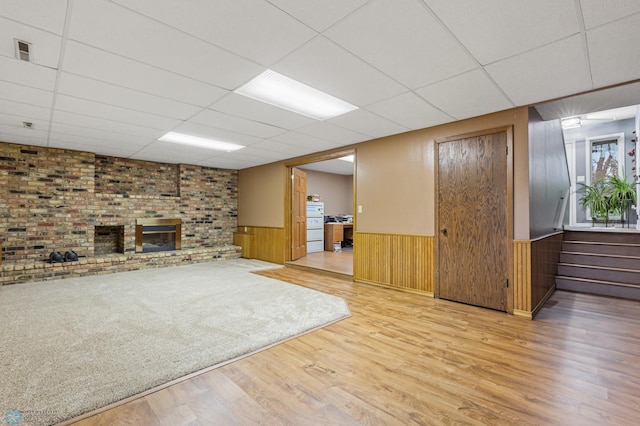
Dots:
{"x": 606, "y": 263}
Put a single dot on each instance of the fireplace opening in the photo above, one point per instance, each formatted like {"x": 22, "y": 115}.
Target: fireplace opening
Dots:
{"x": 154, "y": 235}
{"x": 108, "y": 239}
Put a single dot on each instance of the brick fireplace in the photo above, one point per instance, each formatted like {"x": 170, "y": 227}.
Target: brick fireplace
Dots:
{"x": 61, "y": 200}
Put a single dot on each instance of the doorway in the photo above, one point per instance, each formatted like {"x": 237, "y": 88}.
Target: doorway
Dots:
{"x": 330, "y": 181}
{"x": 473, "y": 218}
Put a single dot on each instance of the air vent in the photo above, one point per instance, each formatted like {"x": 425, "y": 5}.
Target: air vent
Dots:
{"x": 23, "y": 50}
{"x": 27, "y": 124}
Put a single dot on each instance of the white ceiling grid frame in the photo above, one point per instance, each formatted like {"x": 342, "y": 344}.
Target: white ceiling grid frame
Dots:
{"x": 48, "y": 15}
{"x": 598, "y": 12}
{"x": 255, "y": 30}
{"x": 411, "y": 111}
{"x": 45, "y": 46}
{"x": 108, "y": 67}
{"x": 319, "y": 15}
{"x": 328, "y": 67}
{"x": 217, "y": 119}
{"x": 547, "y": 72}
{"x": 368, "y": 123}
{"x": 614, "y": 51}
{"x": 481, "y": 95}
{"x": 493, "y": 30}
{"x": 332, "y": 133}
{"x": 401, "y": 38}
{"x": 111, "y": 94}
{"x": 115, "y": 29}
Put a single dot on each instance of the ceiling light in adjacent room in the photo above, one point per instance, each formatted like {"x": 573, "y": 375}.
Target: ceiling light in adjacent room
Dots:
{"x": 349, "y": 158}
{"x": 281, "y": 91}
{"x": 571, "y": 123}
{"x": 198, "y": 141}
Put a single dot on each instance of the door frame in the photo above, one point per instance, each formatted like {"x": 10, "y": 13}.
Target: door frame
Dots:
{"x": 510, "y": 273}
{"x": 288, "y": 196}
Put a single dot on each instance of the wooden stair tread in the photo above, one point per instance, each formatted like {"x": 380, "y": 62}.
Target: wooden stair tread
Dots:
{"x": 617, "y": 256}
{"x": 600, "y": 282}
{"x": 606, "y": 268}
{"x": 600, "y": 243}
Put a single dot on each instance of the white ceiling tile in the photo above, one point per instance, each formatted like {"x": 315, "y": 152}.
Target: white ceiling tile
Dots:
{"x": 143, "y": 39}
{"x": 220, "y": 120}
{"x": 21, "y": 134}
{"x": 25, "y": 94}
{"x": 401, "y": 38}
{"x": 48, "y": 15}
{"x": 223, "y": 135}
{"x": 545, "y": 73}
{"x": 481, "y": 96}
{"x": 319, "y": 15}
{"x": 304, "y": 141}
{"x": 368, "y": 123}
{"x": 325, "y": 66}
{"x": 614, "y": 52}
{"x": 86, "y": 88}
{"x": 496, "y": 29}
{"x": 113, "y": 148}
{"x": 44, "y": 49}
{"x": 109, "y": 112}
{"x": 27, "y": 74}
{"x": 332, "y": 133}
{"x": 12, "y": 121}
{"x": 104, "y": 66}
{"x": 253, "y": 110}
{"x": 78, "y": 133}
{"x": 23, "y": 112}
{"x": 285, "y": 149}
{"x": 410, "y": 111}
{"x": 106, "y": 125}
{"x": 598, "y": 12}
{"x": 253, "y": 29}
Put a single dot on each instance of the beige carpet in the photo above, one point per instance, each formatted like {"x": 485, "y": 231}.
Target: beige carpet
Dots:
{"x": 71, "y": 346}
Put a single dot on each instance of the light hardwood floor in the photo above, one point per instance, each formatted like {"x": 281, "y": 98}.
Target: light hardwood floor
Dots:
{"x": 406, "y": 359}
{"x": 338, "y": 263}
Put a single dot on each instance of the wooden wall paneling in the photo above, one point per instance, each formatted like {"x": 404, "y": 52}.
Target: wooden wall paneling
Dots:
{"x": 244, "y": 240}
{"x": 269, "y": 244}
{"x": 522, "y": 278}
{"x": 399, "y": 261}
{"x": 545, "y": 255}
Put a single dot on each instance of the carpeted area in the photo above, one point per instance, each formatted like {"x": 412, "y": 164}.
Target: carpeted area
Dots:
{"x": 71, "y": 346}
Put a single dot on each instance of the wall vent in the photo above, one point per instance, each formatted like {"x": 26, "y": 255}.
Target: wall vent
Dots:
{"x": 23, "y": 50}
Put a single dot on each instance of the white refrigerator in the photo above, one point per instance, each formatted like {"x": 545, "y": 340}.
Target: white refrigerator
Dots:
{"x": 315, "y": 226}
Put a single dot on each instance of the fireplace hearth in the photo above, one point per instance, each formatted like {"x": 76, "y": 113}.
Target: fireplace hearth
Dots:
{"x": 153, "y": 235}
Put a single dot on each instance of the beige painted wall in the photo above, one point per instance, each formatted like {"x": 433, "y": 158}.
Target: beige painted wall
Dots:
{"x": 394, "y": 180}
{"x": 336, "y": 191}
{"x": 263, "y": 202}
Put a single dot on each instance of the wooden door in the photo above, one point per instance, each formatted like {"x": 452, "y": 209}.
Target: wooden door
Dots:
{"x": 299, "y": 214}
{"x": 472, "y": 220}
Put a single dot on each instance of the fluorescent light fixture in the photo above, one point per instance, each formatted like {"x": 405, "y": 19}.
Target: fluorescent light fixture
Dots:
{"x": 348, "y": 158}
{"x": 571, "y": 123}
{"x": 281, "y": 91}
{"x": 198, "y": 141}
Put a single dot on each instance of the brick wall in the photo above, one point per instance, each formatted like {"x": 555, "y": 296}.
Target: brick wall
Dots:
{"x": 49, "y": 200}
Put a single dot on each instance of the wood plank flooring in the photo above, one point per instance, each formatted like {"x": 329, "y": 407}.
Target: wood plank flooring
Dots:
{"x": 338, "y": 263}
{"x": 407, "y": 359}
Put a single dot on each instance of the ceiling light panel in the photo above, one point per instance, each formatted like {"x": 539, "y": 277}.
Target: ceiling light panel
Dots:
{"x": 281, "y": 91}
{"x": 197, "y": 141}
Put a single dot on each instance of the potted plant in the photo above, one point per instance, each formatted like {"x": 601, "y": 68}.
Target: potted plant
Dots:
{"x": 595, "y": 198}
{"x": 609, "y": 195}
{"x": 621, "y": 194}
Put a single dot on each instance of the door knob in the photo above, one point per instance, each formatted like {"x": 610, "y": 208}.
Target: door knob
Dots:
{"x": 444, "y": 231}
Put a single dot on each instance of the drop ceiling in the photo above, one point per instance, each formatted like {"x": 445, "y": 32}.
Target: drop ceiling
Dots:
{"x": 111, "y": 77}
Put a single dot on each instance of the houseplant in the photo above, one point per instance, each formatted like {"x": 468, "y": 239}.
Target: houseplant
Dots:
{"x": 609, "y": 195}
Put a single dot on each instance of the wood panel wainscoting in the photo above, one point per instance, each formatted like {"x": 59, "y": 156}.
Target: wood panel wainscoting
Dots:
{"x": 260, "y": 242}
{"x": 399, "y": 261}
{"x": 535, "y": 265}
